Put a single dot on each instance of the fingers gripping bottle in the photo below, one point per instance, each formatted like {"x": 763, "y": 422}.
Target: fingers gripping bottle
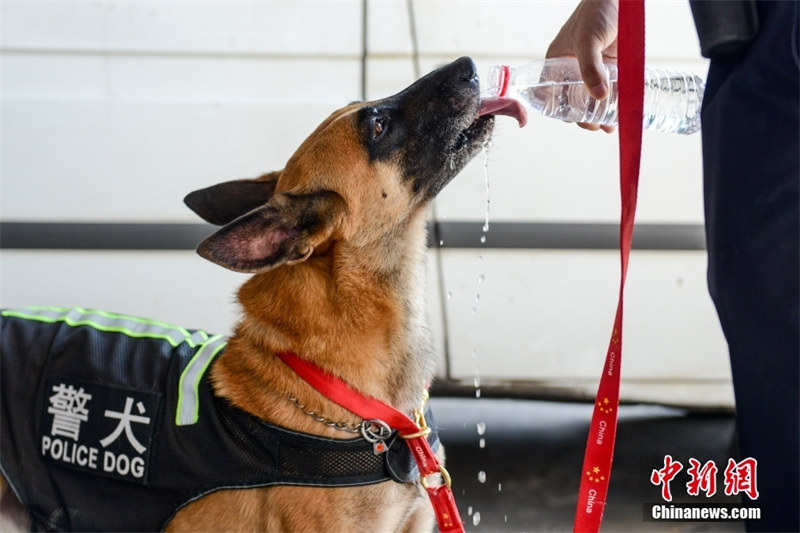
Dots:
{"x": 554, "y": 88}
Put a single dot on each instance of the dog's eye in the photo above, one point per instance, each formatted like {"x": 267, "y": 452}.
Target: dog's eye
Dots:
{"x": 379, "y": 127}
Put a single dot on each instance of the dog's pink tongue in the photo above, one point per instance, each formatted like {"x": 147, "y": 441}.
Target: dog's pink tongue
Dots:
{"x": 509, "y": 107}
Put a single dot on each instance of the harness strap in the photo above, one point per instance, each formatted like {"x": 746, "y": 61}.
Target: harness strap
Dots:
{"x": 414, "y": 433}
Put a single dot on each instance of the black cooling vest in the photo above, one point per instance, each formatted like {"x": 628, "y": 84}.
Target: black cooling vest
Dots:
{"x": 109, "y": 423}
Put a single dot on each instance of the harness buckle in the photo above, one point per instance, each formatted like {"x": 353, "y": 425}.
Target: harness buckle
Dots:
{"x": 375, "y": 431}
{"x": 445, "y": 478}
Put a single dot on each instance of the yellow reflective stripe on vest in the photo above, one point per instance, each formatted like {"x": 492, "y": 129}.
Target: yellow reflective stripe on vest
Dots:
{"x": 188, "y": 407}
{"x": 188, "y": 410}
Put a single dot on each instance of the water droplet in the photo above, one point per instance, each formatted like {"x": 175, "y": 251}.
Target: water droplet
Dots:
{"x": 477, "y": 393}
{"x": 476, "y": 518}
{"x": 481, "y": 278}
{"x": 486, "y": 179}
{"x": 477, "y": 380}
{"x": 499, "y": 487}
{"x": 469, "y": 510}
{"x": 482, "y": 476}
{"x": 441, "y": 242}
{"x": 481, "y": 428}
{"x": 482, "y": 443}
{"x": 483, "y": 239}
{"x": 449, "y": 295}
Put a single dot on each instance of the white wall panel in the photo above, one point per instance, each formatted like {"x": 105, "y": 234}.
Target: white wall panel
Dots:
{"x": 135, "y": 161}
{"x": 175, "y": 287}
{"x": 217, "y": 79}
{"x": 522, "y": 28}
{"x": 288, "y": 27}
{"x": 113, "y": 111}
{"x": 557, "y": 310}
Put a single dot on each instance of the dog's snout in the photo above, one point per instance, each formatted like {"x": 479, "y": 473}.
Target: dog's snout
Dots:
{"x": 434, "y": 128}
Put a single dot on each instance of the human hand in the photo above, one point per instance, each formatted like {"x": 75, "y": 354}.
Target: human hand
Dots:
{"x": 590, "y": 35}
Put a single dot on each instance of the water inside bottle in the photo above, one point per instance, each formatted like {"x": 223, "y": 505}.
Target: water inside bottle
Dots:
{"x": 569, "y": 102}
{"x": 672, "y": 102}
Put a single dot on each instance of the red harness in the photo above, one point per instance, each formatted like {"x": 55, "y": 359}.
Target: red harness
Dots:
{"x": 413, "y": 432}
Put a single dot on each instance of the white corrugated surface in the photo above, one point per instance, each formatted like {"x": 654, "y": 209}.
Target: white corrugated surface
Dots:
{"x": 112, "y": 111}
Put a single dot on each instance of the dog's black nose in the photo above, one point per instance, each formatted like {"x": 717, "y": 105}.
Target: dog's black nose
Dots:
{"x": 465, "y": 67}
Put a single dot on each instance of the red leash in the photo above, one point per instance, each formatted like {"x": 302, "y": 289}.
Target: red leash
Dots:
{"x": 414, "y": 433}
{"x": 596, "y": 472}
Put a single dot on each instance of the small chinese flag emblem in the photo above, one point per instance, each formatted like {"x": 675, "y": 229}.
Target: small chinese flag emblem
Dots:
{"x": 594, "y": 475}
{"x": 604, "y": 406}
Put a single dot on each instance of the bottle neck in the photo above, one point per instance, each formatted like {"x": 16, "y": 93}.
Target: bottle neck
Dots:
{"x": 505, "y": 78}
{"x": 498, "y": 80}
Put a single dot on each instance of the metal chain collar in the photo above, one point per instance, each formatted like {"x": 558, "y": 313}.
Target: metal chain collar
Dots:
{"x": 373, "y": 431}
{"x": 341, "y": 426}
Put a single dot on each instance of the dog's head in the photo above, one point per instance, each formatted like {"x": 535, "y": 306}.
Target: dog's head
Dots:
{"x": 362, "y": 177}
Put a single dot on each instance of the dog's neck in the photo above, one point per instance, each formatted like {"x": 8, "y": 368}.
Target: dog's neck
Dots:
{"x": 363, "y": 324}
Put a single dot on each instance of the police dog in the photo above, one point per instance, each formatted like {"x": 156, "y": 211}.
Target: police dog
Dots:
{"x": 336, "y": 242}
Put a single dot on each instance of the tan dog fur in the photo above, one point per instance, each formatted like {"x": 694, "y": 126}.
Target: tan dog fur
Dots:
{"x": 357, "y": 304}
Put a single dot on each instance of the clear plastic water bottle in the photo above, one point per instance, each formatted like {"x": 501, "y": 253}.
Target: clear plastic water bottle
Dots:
{"x": 554, "y": 88}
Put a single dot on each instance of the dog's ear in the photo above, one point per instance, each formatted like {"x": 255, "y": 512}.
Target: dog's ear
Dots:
{"x": 285, "y": 231}
{"x": 225, "y": 202}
